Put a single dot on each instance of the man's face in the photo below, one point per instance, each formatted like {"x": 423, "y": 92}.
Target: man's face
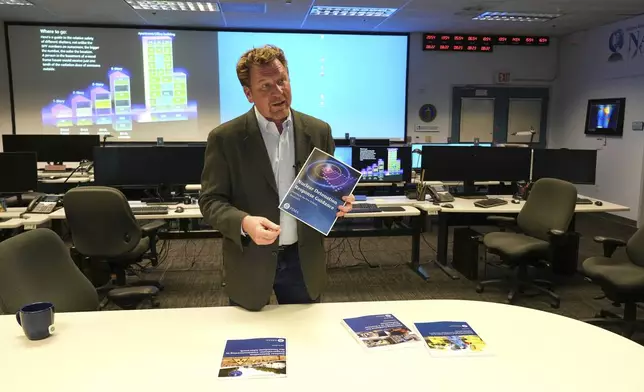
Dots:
{"x": 270, "y": 90}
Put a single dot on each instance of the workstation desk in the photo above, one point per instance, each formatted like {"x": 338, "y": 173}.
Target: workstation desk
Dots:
{"x": 465, "y": 213}
{"x": 181, "y": 349}
{"x": 345, "y": 228}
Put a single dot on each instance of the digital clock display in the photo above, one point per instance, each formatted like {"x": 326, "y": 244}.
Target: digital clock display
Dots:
{"x": 478, "y": 42}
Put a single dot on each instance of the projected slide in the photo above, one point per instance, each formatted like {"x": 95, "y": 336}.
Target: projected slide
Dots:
{"x": 110, "y": 105}
{"x": 127, "y": 83}
{"x": 141, "y": 84}
{"x": 356, "y": 83}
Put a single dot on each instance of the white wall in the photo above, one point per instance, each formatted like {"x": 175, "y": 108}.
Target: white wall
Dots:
{"x": 5, "y": 107}
{"x": 585, "y": 73}
{"x": 432, "y": 75}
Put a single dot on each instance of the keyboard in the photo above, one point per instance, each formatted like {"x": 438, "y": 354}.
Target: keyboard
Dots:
{"x": 584, "y": 201}
{"x": 490, "y": 202}
{"x": 150, "y": 210}
{"x": 364, "y": 208}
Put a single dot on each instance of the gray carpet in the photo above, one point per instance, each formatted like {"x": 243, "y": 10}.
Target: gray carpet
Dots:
{"x": 192, "y": 273}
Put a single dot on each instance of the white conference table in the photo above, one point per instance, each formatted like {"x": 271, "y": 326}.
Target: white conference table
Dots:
{"x": 181, "y": 350}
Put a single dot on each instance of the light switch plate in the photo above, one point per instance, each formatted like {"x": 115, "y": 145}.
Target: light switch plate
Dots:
{"x": 638, "y": 126}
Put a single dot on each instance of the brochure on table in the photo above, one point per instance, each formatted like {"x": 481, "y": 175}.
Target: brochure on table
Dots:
{"x": 451, "y": 339}
{"x": 317, "y": 191}
{"x": 254, "y": 358}
{"x": 380, "y": 331}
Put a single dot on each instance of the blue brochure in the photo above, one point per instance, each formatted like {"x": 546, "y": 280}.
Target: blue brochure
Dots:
{"x": 380, "y": 330}
{"x": 451, "y": 338}
{"x": 254, "y": 358}
{"x": 317, "y": 191}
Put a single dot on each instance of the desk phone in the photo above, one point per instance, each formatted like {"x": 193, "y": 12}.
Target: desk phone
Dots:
{"x": 45, "y": 204}
{"x": 439, "y": 194}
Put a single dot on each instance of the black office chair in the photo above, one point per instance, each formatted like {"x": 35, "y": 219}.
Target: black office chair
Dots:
{"x": 103, "y": 228}
{"x": 542, "y": 222}
{"x": 622, "y": 281}
{"x": 35, "y": 266}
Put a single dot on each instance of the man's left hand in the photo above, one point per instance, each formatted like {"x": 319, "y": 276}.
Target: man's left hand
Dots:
{"x": 347, "y": 207}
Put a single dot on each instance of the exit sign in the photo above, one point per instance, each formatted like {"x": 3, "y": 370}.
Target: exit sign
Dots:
{"x": 502, "y": 78}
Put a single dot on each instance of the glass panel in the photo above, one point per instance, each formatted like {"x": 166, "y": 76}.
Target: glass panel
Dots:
{"x": 477, "y": 119}
{"x": 524, "y": 118}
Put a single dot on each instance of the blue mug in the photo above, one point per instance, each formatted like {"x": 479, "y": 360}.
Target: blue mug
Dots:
{"x": 37, "y": 320}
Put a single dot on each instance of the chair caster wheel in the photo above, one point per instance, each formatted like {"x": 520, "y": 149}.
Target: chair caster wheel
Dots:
{"x": 479, "y": 289}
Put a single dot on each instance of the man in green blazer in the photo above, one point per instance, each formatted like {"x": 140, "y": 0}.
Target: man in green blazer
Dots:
{"x": 250, "y": 164}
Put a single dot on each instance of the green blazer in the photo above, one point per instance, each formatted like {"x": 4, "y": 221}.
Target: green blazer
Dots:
{"x": 238, "y": 180}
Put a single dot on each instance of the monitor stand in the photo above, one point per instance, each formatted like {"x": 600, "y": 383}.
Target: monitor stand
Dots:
{"x": 469, "y": 192}
{"x": 166, "y": 197}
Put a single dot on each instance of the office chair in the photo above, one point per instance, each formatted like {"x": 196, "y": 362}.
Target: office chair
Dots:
{"x": 35, "y": 266}
{"x": 104, "y": 229}
{"x": 542, "y": 223}
{"x": 622, "y": 281}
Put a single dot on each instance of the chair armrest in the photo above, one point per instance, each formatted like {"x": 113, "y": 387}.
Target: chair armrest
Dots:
{"x": 152, "y": 227}
{"x": 556, "y": 233}
{"x": 501, "y": 219}
{"x": 131, "y": 297}
{"x": 610, "y": 244}
{"x": 503, "y": 222}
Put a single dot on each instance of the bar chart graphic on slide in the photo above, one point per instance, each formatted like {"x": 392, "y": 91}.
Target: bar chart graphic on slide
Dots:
{"x": 110, "y": 104}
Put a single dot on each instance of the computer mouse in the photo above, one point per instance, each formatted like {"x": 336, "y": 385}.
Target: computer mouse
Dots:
{"x": 447, "y": 205}
{"x": 598, "y": 203}
{"x": 515, "y": 201}
{"x": 179, "y": 209}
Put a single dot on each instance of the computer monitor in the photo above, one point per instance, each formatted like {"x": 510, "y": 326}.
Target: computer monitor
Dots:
{"x": 343, "y": 154}
{"x": 382, "y": 164}
{"x": 53, "y": 148}
{"x": 19, "y": 172}
{"x": 605, "y": 117}
{"x": 148, "y": 166}
{"x": 575, "y": 166}
{"x": 417, "y": 151}
{"x": 469, "y": 164}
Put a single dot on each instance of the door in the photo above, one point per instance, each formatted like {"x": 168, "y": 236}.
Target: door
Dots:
{"x": 500, "y": 115}
{"x": 477, "y": 119}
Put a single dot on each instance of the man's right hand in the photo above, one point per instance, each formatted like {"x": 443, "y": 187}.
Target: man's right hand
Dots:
{"x": 261, "y": 230}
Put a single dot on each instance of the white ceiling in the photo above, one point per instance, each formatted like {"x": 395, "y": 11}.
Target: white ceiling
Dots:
{"x": 412, "y": 15}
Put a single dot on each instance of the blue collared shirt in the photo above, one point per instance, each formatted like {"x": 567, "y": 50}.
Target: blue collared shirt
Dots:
{"x": 281, "y": 152}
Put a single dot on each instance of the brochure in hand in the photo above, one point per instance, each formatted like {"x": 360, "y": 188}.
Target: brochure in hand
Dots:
{"x": 451, "y": 338}
{"x": 254, "y": 358}
{"x": 317, "y": 191}
{"x": 380, "y": 330}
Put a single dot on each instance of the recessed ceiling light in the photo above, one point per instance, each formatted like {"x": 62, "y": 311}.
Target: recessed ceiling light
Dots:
{"x": 15, "y": 2}
{"x": 516, "y": 16}
{"x": 167, "y": 5}
{"x": 352, "y": 11}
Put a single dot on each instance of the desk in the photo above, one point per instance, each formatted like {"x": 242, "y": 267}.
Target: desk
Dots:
{"x": 15, "y": 221}
{"x": 170, "y": 350}
{"x": 465, "y": 213}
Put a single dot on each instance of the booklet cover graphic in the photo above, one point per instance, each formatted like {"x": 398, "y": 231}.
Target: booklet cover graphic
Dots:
{"x": 253, "y": 358}
{"x": 451, "y": 338}
{"x": 317, "y": 191}
{"x": 380, "y": 330}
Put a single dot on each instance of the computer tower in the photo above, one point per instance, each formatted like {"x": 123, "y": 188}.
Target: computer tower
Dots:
{"x": 565, "y": 254}
{"x": 466, "y": 250}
